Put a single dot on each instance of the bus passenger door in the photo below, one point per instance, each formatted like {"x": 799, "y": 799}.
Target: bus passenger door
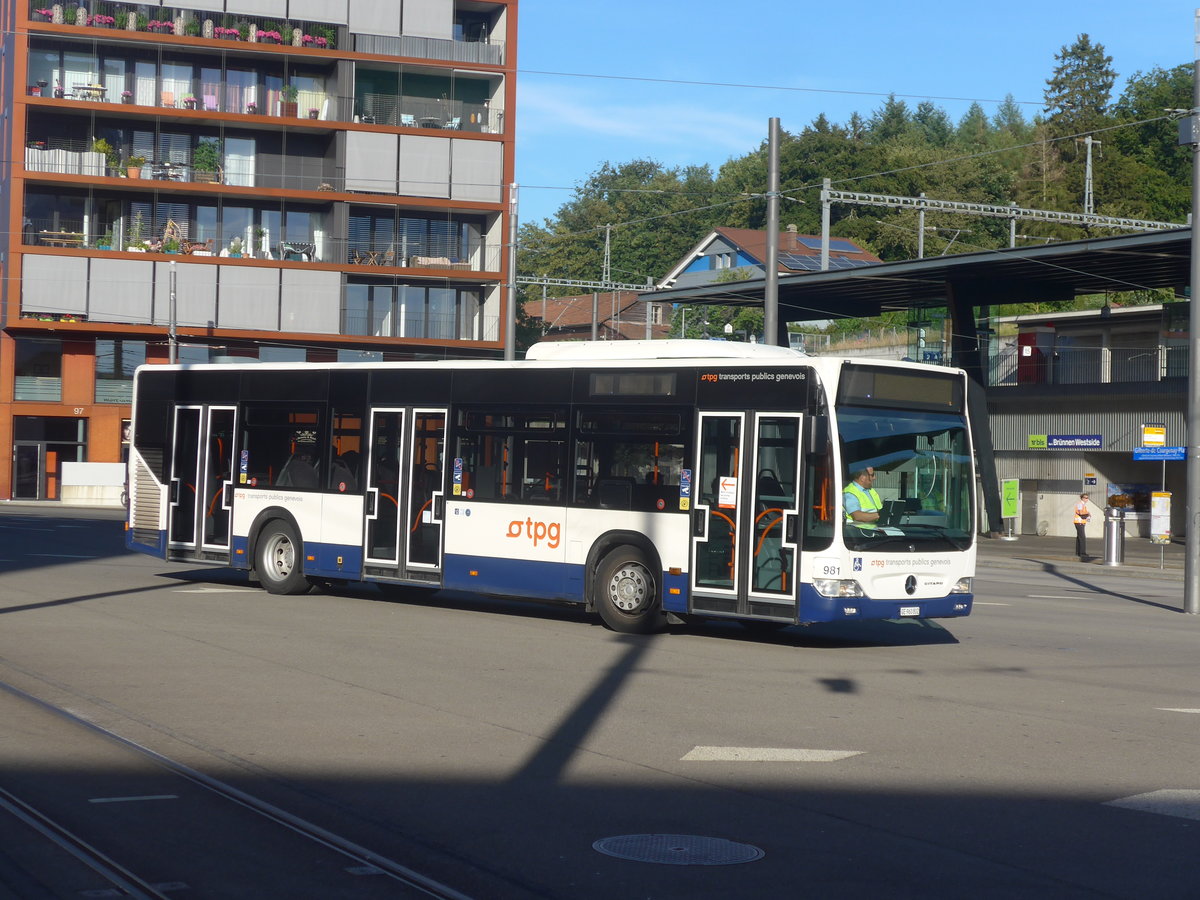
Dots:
{"x": 717, "y": 515}
{"x": 185, "y": 474}
{"x": 745, "y": 522}
{"x": 405, "y": 474}
{"x": 201, "y": 472}
{"x": 217, "y": 493}
{"x": 423, "y": 525}
{"x": 772, "y": 551}
{"x": 384, "y": 458}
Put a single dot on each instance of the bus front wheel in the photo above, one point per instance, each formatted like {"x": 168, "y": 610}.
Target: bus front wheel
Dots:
{"x": 279, "y": 559}
{"x": 626, "y": 592}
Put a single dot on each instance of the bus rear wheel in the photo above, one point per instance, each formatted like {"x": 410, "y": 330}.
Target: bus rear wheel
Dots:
{"x": 279, "y": 562}
{"x": 626, "y": 592}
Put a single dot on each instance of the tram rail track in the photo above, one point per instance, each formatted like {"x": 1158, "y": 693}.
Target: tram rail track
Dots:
{"x": 402, "y": 880}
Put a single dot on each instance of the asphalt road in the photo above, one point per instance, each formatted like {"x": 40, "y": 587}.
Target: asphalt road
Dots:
{"x": 1047, "y": 746}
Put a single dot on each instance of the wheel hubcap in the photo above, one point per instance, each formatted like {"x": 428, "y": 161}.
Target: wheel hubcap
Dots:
{"x": 281, "y": 557}
{"x": 628, "y": 588}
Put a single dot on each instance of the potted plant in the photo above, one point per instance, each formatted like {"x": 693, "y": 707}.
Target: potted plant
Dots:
{"x": 288, "y": 105}
{"x": 126, "y": 96}
{"x": 133, "y": 166}
{"x": 313, "y": 113}
{"x": 105, "y": 242}
{"x": 170, "y": 245}
{"x": 252, "y": 108}
{"x": 235, "y": 247}
{"x": 43, "y": 15}
{"x": 135, "y": 243}
{"x": 102, "y": 21}
{"x": 112, "y": 158}
{"x": 268, "y": 37}
{"x": 206, "y": 159}
{"x": 259, "y": 234}
{"x": 190, "y": 102}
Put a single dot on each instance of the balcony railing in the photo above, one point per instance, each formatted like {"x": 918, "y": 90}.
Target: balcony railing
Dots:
{"x": 185, "y": 22}
{"x": 95, "y": 233}
{"x": 425, "y": 112}
{"x": 481, "y": 52}
{"x": 1124, "y": 365}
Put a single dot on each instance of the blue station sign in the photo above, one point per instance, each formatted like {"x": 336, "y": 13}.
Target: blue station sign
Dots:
{"x": 1163, "y": 454}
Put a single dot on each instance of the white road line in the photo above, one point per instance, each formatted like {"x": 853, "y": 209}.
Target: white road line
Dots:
{"x": 1050, "y": 597}
{"x": 134, "y": 799}
{"x": 1183, "y": 804}
{"x": 990, "y": 603}
{"x": 765, "y": 754}
{"x": 214, "y": 590}
{"x": 64, "y": 556}
{"x": 1169, "y": 709}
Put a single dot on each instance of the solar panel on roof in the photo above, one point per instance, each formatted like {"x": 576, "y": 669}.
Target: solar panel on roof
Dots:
{"x": 841, "y": 246}
{"x": 796, "y": 261}
{"x": 844, "y": 262}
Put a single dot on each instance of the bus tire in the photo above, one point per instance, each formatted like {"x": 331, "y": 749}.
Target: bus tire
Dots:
{"x": 279, "y": 559}
{"x": 626, "y": 592}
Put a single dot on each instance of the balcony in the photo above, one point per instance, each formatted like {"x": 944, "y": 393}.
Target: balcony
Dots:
{"x": 1089, "y": 366}
{"x": 105, "y": 15}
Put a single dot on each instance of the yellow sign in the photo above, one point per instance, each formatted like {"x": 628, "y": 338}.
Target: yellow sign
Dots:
{"x": 1154, "y": 435}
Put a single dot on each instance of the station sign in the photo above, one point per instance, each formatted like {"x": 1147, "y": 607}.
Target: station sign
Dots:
{"x": 1154, "y": 435}
{"x": 1066, "y": 442}
{"x": 1160, "y": 454}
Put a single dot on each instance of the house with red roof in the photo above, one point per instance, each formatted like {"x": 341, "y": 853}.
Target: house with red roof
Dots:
{"x": 738, "y": 250}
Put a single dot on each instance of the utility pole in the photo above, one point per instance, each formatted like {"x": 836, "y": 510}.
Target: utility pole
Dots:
{"x": 1191, "y": 577}
{"x": 1089, "y": 199}
{"x": 510, "y": 317}
{"x": 771, "y": 287}
{"x": 172, "y": 339}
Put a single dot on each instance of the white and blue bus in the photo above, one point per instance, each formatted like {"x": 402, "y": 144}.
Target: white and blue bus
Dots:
{"x": 648, "y": 481}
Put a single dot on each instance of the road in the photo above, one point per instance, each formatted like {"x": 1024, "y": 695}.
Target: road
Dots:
{"x": 1047, "y": 746}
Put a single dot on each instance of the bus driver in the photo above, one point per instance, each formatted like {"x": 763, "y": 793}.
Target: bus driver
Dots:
{"x": 862, "y": 501}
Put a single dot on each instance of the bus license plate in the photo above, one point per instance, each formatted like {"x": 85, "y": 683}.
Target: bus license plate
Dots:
{"x": 910, "y": 610}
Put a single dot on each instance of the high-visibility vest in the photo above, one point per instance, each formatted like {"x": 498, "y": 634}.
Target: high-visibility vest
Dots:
{"x": 1082, "y": 514}
{"x": 868, "y": 501}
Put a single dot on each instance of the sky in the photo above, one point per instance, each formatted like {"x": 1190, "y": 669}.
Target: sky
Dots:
{"x": 795, "y": 61}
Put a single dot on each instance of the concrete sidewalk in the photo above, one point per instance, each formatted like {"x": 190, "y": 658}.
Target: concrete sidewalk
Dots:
{"x": 1141, "y": 556}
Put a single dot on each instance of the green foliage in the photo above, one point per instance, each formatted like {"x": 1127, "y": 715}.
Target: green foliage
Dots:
{"x": 1078, "y": 92}
{"x": 659, "y": 214}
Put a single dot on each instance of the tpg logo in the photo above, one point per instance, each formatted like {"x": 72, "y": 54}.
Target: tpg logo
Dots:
{"x": 550, "y": 532}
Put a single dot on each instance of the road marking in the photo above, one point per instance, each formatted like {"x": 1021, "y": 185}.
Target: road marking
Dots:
{"x": 64, "y": 556}
{"x": 990, "y": 603}
{"x": 1183, "y": 804}
{"x": 133, "y": 799}
{"x": 765, "y": 754}
{"x": 1050, "y": 597}
{"x": 214, "y": 590}
{"x": 1169, "y": 709}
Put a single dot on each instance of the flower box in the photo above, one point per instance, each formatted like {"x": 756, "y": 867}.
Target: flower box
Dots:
{"x": 268, "y": 37}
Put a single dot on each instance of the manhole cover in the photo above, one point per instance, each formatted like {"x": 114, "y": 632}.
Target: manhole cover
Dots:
{"x": 678, "y": 849}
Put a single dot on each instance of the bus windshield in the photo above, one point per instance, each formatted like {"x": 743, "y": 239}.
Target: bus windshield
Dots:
{"x": 922, "y": 479}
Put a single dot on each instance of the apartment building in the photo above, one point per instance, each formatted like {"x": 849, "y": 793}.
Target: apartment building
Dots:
{"x": 264, "y": 179}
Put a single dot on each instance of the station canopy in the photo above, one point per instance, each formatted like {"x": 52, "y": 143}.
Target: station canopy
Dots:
{"x": 1048, "y": 273}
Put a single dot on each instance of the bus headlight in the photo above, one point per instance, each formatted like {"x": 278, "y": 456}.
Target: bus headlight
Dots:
{"x": 962, "y": 586}
{"x": 838, "y": 587}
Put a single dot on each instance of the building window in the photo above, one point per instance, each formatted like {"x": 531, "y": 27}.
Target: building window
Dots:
{"x": 115, "y": 362}
{"x": 38, "y": 369}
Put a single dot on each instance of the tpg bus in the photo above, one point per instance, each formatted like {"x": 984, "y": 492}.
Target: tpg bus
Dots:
{"x": 649, "y": 481}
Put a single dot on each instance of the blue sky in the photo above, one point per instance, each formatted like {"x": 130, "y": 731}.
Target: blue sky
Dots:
{"x": 835, "y": 58}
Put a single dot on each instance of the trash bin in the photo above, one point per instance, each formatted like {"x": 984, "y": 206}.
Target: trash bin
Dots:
{"x": 1114, "y": 536}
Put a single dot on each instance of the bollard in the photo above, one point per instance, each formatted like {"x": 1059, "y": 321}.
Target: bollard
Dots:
{"x": 1114, "y": 536}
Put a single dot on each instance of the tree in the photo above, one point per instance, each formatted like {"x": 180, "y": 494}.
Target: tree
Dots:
{"x": 1078, "y": 92}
